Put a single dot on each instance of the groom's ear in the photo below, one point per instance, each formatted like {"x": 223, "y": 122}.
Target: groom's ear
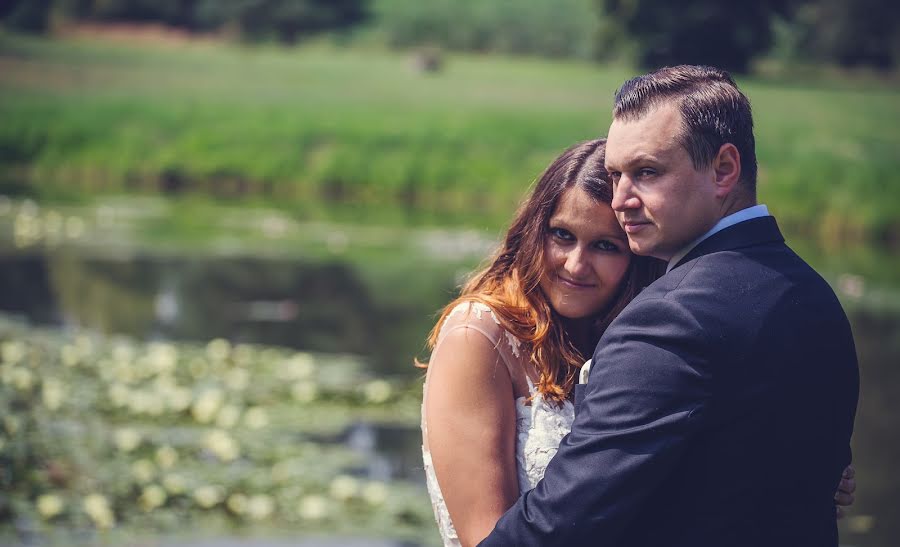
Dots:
{"x": 727, "y": 169}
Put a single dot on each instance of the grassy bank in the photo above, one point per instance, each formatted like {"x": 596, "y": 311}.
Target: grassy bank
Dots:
{"x": 302, "y": 125}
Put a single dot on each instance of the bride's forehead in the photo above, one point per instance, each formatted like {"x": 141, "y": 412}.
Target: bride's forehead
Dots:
{"x": 577, "y": 209}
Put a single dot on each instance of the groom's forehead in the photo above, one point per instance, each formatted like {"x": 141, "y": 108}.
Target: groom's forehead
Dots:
{"x": 650, "y": 137}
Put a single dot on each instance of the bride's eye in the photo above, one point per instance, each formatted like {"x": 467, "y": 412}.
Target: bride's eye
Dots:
{"x": 606, "y": 245}
{"x": 561, "y": 234}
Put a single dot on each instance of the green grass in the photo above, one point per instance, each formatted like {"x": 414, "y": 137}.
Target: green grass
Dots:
{"x": 297, "y": 126}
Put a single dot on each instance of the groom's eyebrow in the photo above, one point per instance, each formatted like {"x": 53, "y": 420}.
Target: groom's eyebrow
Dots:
{"x": 642, "y": 158}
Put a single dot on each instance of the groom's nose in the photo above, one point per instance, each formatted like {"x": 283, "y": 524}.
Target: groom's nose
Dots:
{"x": 623, "y": 195}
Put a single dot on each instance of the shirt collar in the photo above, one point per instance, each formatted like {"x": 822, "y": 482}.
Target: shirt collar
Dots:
{"x": 755, "y": 211}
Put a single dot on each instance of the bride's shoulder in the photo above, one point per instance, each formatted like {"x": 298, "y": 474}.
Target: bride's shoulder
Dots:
{"x": 479, "y": 317}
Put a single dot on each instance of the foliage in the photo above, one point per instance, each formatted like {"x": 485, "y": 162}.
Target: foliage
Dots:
{"x": 860, "y": 33}
{"x": 288, "y": 20}
{"x": 27, "y": 16}
{"x": 103, "y": 433}
{"x": 82, "y": 118}
{"x": 726, "y": 35}
{"x": 285, "y": 20}
{"x": 550, "y": 28}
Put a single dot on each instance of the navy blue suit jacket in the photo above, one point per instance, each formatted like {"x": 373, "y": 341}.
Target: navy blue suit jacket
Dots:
{"x": 718, "y": 412}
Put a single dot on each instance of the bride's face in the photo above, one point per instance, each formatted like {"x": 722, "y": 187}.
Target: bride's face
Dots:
{"x": 586, "y": 256}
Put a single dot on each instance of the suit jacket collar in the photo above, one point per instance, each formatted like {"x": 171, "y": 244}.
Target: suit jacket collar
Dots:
{"x": 743, "y": 234}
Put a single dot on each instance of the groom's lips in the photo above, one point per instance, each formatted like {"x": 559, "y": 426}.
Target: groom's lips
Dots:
{"x": 633, "y": 227}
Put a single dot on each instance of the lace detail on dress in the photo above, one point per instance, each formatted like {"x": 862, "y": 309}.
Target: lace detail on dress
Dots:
{"x": 539, "y": 429}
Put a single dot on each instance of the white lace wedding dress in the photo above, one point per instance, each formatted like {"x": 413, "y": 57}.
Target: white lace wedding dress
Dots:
{"x": 539, "y": 426}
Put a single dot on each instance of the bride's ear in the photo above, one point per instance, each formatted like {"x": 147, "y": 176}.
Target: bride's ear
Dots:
{"x": 727, "y": 169}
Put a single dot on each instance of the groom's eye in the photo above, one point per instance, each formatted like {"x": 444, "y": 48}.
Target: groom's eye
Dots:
{"x": 646, "y": 172}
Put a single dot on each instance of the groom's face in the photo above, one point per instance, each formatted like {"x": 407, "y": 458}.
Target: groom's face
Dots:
{"x": 662, "y": 202}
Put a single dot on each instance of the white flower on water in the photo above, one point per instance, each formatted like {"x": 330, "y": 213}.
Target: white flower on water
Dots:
{"x": 53, "y": 223}
{"x": 344, "y": 487}
{"x": 74, "y": 227}
{"x": 143, "y": 402}
{"x": 119, "y": 394}
{"x": 256, "y": 418}
{"x": 260, "y": 507}
{"x": 237, "y": 379}
{"x": 174, "y": 484}
{"x": 300, "y": 366}
{"x": 123, "y": 353}
{"x": 12, "y": 351}
{"x": 53, "y": 393}
{"x": 243, "y": 354}
{"x": 207, "y": 405}
{"x": 304, "y": 391}
{"x": 179, "y": 398}
{"x": 208, "y": 496}
{"x": 237, "y": 503}
{"x": 126, "y": 439}
{"x": 143, "y": 471}
{"x": 162, "y": 357}
{"x": 377, "y": 391}
{"x": 166, "y": 457}
{"x": 152, "y": 496}
{"x": 375, "y": 493}
{"x": 282, "y": 471}
{"x": 312, "y": 507}
{"x": 69, "y": 355}
{"x": 49, "y": 505}
{"x": 21, "y": 378}
{"x": 228, "y": 417}
{"x": 124, "y": 372}
{"x": 218, "y": 349}
{"x": 97, "y": 508}
{"x": 222, "y": 445}
{"x": 198, "y": 367}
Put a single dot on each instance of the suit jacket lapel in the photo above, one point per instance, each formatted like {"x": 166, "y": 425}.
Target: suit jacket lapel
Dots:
{"x": 743, "y": 234}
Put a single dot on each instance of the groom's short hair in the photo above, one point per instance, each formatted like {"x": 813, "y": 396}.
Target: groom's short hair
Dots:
{"x": 713, "y": 110}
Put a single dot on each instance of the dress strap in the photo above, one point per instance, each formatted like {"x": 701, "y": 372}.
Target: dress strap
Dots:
{"x": 531, "y": 388}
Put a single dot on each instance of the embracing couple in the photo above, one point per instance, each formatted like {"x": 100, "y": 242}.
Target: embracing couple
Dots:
{"x": 717, "y": 407}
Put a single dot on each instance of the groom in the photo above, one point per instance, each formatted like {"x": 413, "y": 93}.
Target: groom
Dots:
{"x": 720, "y": 405}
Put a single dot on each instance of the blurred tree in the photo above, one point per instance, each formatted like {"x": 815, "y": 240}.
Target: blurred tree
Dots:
{"x": 550, "y": 28}
{"x": 286, "y": 20}
{"x": 667, "y": 32}
{"x": 27, "y": 16}
{"x": 862, "y": 32}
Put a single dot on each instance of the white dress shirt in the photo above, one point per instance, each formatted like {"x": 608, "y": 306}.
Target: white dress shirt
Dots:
{"x": 756, "y": 211}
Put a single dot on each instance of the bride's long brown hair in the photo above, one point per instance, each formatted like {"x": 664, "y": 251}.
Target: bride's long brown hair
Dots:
{"x": 510, "y": 283}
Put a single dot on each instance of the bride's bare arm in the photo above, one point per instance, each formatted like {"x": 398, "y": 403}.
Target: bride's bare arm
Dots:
{"x": 471, "y": 428}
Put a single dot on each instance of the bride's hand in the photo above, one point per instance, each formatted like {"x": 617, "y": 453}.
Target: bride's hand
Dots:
{"x": 844, "y": 495}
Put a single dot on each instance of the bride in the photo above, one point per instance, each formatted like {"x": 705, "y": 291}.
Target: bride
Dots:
{"x": 505, "y": 355}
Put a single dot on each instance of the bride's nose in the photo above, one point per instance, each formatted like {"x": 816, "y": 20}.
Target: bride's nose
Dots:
{"x": 576, "y": 264}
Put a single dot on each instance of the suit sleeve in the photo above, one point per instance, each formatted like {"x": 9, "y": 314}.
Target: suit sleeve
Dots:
{"x": 644, "y": 400}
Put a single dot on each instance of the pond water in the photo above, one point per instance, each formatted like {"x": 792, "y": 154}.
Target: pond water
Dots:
{"x": 157, "y": 270}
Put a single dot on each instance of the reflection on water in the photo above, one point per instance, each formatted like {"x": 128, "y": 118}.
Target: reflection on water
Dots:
{"x": 374, "y": 292}
{"x": 391, "y": 451}
{"x": 314, "y": 306}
